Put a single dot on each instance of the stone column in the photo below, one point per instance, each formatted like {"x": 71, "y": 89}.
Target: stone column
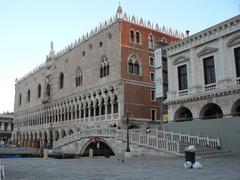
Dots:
{"x": 94, "y": 110}
{"x": 60, "y": 115}
{"x": 112, "y": 108}
{"x": 84, "y": 113}
{"x": 79, "y": 111}
{"x": 89, "y": 112}
{"x": 73, "y": 113}
{"x": 100, "y": 106}
{"x": 106, "y": 104}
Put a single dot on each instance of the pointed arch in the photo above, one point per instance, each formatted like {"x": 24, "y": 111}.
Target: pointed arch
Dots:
{"x": 20, "y": 99}
{"x": 39, "y": 89}
{"x": 48, "y": 90}
{"x": 150, "y": 41}
{"x": 104, "y": 66}
{"x": 28, "y": 95}
{"x": 138, "y": 37}
{"x": 131, "y": 36}
{"x": 78, "y": 78}
{"x": 115, "y": 104}
{"x": 61, "y": 80}
{"x": 130, "y": 66}
{"x": 134, "y": 66}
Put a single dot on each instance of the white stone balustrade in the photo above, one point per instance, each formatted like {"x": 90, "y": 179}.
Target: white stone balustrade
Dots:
{"x": 184, "y": 138}
{"x": 159, "y": 140}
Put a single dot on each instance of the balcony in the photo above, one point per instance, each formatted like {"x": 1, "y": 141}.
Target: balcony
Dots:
{"x": 210, "y": 87}
{"x": 183, "y": 92}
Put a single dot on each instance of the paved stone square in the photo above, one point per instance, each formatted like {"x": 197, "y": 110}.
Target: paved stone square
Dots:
{"x": 134, "y": 168}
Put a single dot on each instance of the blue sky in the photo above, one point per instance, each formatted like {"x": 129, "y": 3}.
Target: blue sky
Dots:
{"x": 28, "y": 26}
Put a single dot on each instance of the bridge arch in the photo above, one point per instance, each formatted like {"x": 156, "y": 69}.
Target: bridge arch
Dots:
{"x": 99, "y": 146}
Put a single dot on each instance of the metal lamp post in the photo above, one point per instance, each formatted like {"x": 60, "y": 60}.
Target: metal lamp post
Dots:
{"x": 18, "y": 132}
{"x": 127, "y": 121}
{"x": 50, "y": 136}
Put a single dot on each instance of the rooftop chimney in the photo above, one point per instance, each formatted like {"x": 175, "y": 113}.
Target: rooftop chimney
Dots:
{"x": 187, "y": 32}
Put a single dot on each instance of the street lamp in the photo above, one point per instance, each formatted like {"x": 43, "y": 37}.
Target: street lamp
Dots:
{"x": 18, "y": 132}
{"x": 50, "y": 136}
{"x": 127, "y": 121}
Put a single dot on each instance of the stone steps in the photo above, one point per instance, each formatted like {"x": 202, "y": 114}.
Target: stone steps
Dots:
{"x": 202, "y": 151}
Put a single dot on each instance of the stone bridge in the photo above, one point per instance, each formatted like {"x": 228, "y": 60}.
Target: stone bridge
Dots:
{"x": 113, "y": 141}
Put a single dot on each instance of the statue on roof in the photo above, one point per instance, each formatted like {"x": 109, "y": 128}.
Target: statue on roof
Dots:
{"x": 119, "y": 11}
{"x": 51, "y": 53}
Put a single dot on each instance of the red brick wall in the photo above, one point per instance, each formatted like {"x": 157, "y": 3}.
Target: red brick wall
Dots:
{"x": 137, "y": 101}
{"x": 137, "y": 98}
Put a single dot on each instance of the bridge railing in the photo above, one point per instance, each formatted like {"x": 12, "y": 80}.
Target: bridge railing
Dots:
{"x": 159, "y": 140}
{"x": 145, "y": 140}
{"x": 184, "y": 138}
{"x": 181, "y": 137}
{"x": 98, "y": 132}
{"x": 152, "y": 141}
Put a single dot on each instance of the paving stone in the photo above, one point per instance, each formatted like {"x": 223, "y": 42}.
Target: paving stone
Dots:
{"x": 134, "y": 168}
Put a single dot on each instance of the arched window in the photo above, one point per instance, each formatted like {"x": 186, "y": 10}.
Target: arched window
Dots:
{"x": 39, "y": 91}
{"x": 115, "y": 105}
{"x": 78, "y": 78}
{"x": 133, "y": 65}
{"x": 138, "y": 37}
{"x": 130, "y": 66}
{"x": 104, "y": 69}
{"x": 48, "y": 90}
{"x": 61, "y": 80}
{"x": 28, "y": 95}
{"x": 131, "y": 36}
{"x": 136, "y": 67}
{"x": 20, "y": 99}
{"x": 150, "y": 42}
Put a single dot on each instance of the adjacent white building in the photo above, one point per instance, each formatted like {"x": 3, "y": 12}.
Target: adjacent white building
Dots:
{"x": 6, "y": 127}
{"x": 204, "y": 73}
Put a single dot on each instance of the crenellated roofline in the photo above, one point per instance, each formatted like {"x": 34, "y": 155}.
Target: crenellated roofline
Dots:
{"x": 119, "y": 16}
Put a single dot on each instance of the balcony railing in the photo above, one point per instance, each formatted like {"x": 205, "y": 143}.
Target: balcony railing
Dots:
{"x": 183, "y": 92}
{"x": 81, "y": 121}
{"x": 210, "y": 87}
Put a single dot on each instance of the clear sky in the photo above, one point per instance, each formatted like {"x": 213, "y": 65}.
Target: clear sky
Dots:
{"x": 28, "y": 26}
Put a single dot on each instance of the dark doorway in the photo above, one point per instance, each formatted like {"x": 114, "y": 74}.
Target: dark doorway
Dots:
{"x": 99, "y": 149}
{"x": 211, "y": 111}
{"x": 183, "y": 114}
